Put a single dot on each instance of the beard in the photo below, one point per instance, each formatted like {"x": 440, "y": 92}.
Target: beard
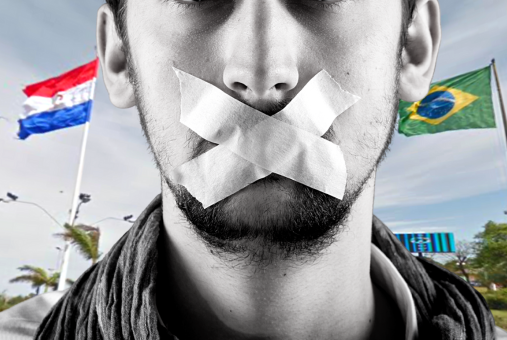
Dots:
{"x": 298, "y": 227}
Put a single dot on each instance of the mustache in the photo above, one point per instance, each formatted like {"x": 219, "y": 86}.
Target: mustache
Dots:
{"x": 201, "y": 145}
{"x": 270, "y": 108}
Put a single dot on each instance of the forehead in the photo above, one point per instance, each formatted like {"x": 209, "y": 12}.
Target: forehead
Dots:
{"x": 321, "y": 29}
{"x": 213, "y": 13}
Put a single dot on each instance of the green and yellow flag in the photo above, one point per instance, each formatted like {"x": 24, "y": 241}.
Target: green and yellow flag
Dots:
{"x": 462, "y": 102}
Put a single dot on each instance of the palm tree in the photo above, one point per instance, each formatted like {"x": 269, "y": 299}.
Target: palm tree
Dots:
{"x": 85, "y": 238}
{"x": 4, "y": 301}
{"x": 38, "y": 277}
{"x": 7, "y": 302}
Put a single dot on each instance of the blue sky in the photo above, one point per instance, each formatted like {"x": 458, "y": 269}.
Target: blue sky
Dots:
{"x": 449, "y": 182}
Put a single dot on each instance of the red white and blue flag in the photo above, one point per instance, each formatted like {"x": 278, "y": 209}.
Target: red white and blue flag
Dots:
{"x": 59, "y": 102}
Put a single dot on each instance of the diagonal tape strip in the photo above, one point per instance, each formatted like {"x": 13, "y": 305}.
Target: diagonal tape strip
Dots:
{"x": 252, "y": 145}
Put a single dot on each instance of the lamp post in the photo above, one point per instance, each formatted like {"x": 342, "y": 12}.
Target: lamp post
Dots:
{"x": 14, "y": 198}
{"x": 127, "y": 218}
{"x": 58, "y": 257}
{"x": 83, "y": 198}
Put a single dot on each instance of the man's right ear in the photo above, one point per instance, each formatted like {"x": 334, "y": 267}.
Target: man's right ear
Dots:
{"x": 113, "y": 60}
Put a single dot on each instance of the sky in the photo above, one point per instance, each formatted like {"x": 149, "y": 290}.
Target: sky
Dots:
{"x": 448, "y": 182}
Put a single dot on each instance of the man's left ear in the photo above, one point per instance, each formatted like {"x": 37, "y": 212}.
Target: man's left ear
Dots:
{"x": 420, "y": 52}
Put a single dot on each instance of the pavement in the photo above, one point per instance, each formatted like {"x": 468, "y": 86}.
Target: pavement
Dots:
{"x": 501, "y": 334}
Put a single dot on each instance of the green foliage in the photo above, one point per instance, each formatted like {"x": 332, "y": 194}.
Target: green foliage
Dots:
{"x": 85, "y": 238}
{"x": 451, "y": 266}
{"x": 496, "y": 299}
{"x": 461, "y": 261}
{"x": 7, "y": 302}
{"x": 500, "y": 318}
{"x": 491, "y": 253}
{"x": 39, "y": 277}
{"x": 497, "y": 302}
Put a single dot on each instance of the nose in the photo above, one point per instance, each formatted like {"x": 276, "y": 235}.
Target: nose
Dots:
{"x": 260, "y": 53}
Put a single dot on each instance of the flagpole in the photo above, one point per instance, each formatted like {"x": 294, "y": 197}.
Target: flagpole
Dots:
{"x": 502, "y": 107}
{"x": 66, "y": 251}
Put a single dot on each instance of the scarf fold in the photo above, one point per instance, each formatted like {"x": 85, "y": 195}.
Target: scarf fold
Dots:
{"x": 448, "y": 308}
{"x": 115, "y": 298}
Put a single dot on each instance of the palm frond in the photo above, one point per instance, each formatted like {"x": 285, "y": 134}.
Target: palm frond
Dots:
{"x": 36, "y": 271}
{"x": 85, "y": 238}
{"x": 88, "y": 228}
{"x": 35, "y": 280}
{"x": 23, "y": 278}
{"x": 53, "y": 280}
{"x": 82, "y": 240}
{"x": 66, "y": 235}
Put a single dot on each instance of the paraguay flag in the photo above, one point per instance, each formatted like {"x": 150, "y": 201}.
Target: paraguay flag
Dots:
{"x": 59, "y": 102}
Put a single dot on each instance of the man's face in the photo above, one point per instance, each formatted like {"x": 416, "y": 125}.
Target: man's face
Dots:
{"x": 263, "y": 52}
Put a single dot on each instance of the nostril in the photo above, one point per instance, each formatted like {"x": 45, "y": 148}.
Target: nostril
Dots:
{"x": 282, "y": 86}
{"x": 240, "y": 87}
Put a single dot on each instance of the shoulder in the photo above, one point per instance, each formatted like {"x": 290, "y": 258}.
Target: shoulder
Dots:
{"x": 21, "y": 321}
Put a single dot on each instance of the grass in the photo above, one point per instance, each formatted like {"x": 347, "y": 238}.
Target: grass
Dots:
{"x": 481, "y": 290}
{"x": 499, "y": 315}
{"x": 500, "y": 318}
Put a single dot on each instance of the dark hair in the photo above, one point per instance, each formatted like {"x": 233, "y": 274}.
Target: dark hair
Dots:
{"x": 119, "y": 9}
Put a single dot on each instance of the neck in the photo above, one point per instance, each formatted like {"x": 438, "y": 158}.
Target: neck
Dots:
{"x": 330, "y": 297}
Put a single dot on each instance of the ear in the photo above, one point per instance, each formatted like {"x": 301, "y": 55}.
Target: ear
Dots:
{"x": 420, "y": 52}
{"x": 113, "y": 60}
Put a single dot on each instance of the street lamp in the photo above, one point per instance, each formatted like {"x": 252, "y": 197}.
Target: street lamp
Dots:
{"x": 128, "y": 218}
{"x": 124, "y": 219}
{"x": 58, "y": 258}
{"x": 14, "y": 198}
{"x": 83, "y": 198}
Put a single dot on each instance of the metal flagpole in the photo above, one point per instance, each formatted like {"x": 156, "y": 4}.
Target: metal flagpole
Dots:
{"x": 66, "y": 251}
{"x": 502, "y": 107}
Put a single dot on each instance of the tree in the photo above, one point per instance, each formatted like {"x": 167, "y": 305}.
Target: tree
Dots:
{"x": 491, "y": 253}
{"x": 38, "y": 277}
{"x": 85, "y": 238}
{"x": 459, "y": 261}
{"x": 7, "y": 302}
{"x": 4, "y": 302}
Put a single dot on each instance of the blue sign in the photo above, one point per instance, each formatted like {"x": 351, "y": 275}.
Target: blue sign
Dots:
{"x": 428, "y": 242}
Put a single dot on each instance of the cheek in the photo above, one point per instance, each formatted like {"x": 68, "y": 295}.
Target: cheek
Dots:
{"x": 155, "y": 50}
{"x": 366, "y": 65}
{"x": 362, "y": 131}
{"x": 363, "y": 46}
{"x": 160, "y": 38}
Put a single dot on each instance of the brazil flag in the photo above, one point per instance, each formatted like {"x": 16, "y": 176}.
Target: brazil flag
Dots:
{"x": 462, "y": 102}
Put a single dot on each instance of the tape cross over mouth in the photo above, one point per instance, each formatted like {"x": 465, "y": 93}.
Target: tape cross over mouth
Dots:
{"x": 252, "y": 145}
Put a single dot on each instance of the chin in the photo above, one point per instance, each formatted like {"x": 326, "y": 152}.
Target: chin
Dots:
{"x": 267, "y": 199}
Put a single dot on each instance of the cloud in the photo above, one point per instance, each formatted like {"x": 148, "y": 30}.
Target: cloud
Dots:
{"x": 119, "y": 174}
{"x": 438, "y": 168}
{"x": 426, "y": 229}
{"x": 393, "y": 224}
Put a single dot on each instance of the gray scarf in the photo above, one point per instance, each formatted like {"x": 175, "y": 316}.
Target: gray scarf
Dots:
{"x": 115, "y": 298}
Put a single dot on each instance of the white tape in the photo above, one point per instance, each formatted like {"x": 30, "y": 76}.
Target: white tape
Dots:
{"x": 253, "y": 145}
